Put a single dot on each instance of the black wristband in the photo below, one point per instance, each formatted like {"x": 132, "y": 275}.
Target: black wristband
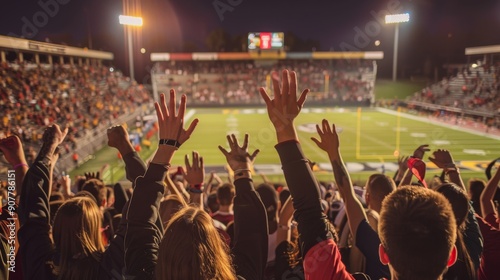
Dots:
{"x": 193, "y": 190}
{"x": 170, "y": 142}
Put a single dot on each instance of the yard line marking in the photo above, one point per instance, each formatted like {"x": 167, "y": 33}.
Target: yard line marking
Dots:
{"x": 425, "y": 120}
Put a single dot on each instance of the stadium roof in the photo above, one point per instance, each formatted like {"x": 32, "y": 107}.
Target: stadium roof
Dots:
{"x": 49, "y": 48}
{"x": 207, "y": 56}
{"x": 482, "y": 50}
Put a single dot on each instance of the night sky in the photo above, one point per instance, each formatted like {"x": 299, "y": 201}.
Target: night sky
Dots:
{"x": 439, "y": 30}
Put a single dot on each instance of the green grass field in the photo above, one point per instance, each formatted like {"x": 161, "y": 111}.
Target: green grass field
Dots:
{"x": 369, "y": 139}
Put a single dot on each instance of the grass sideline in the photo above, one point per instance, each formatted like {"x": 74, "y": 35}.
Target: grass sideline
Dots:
{"x": 387, "y": 89}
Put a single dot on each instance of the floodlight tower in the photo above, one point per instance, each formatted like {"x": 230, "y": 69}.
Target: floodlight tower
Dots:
{"x": 129, "y": 22}
{"x": 396, "y": 19}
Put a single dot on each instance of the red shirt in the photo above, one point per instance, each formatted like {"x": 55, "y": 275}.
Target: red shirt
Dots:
{"x": 323, "y": 261}
{"x": 223, "y": 217}
{"x": 489, "y": 268}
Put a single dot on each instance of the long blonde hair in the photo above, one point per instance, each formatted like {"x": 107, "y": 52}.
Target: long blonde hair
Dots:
{"x": 78, "y": 239}
{"x": 193, "y": 249}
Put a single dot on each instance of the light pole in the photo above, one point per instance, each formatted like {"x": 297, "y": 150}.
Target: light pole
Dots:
{"x": 130, "y": 21}
{"x": 396, "y": 19}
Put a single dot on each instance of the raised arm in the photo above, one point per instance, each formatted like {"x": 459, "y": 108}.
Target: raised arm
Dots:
{"x": 329, "y": 142}
{"x": 143, "y": 234}
{"x": 316, "y": 242}
{"x": 194, "y": 175}
{"x": 444, "y": 160}
{"x": 134, "y": 166}
{"x": 285, "y": 218}
{"x": 36, "y": 245}
{"x": 12, "y": 149}
{"x": 250, "y": 217}
{"x": 487, "y": 203}
{"x": 418, "y": 154}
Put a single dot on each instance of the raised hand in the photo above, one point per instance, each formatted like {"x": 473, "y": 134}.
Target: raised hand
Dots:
{"x": 52, "y": 137}
{"x": 238, "y": 157}
{"x": 329, "y": 139}
{"x": 118, "y": 138}
{"x": 12, "y": 149}
{"x": 92, "y": 175}
{"x": 442, "y": 159}
{"x": 195, "y": 173}
{"x": 420, "y": 151}
{"x": 285, "y": 106}
{"x": 171, "y": 121}
{"x": 403, "y": 163}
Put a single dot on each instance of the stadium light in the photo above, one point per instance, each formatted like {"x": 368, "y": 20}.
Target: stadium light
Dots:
{"x": 130, "y": 21}
{"x": 396, "y": 19}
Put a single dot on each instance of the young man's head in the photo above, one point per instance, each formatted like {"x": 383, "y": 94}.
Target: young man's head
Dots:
{"x": 417, "y": 231}
{"x": 378, "y": 187}
{"x": 269, "y": 198}
{"x": 225, "y": 194}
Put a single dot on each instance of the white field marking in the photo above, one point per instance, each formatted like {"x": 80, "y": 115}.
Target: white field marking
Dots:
{"x": 261, "y": 111}
{"x": 418, "y": 135}
{"x": 382, "y": 124}
{"x": 366, "y": 118}
{"x": 425, "y": 120}
{"x": 441, "y": 142}
{"x": 189, "y": 114}
{"x": 248, "y": 111}
{"x": 475, "y": 152}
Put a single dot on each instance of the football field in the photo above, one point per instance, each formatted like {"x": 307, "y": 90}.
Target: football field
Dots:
{"x": 370, "y": 141}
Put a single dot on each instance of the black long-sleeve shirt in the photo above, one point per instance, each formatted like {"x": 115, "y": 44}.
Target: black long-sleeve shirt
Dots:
{"x": 36, "y": 246}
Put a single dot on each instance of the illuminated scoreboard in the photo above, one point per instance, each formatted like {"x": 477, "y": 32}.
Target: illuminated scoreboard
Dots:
{"x": 266, "y": 41}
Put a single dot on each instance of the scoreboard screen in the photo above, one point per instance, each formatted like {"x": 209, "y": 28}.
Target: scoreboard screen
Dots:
{"x": 266, "y": 41}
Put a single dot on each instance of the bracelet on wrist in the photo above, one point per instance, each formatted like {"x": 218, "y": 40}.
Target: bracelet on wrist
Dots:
{"x": 283, "y": 227}
{"x": 240, "y": 172}
{"x": 193, "y": 190}
{"x": 451, "y": 169}
{"x": 170, "y": 142}
{"x": 197, "y": 186}
{"x": 19, "y": 165}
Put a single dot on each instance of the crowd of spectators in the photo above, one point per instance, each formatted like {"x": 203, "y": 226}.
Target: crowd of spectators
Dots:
{"x": 237, "y": 82}
{"x": 181, "y": 224}
{"x": 84, "y": 98}
{"x": 474, "y": 88}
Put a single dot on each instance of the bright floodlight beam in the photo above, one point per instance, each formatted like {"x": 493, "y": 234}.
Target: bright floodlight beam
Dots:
{"x": 396, "y": 19}
{"x": 130, "y": 21}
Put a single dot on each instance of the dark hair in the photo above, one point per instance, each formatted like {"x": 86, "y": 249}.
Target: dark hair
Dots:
{"x": 464, "y": 268}
{"x": 97, "y": 189}
{"x": 476, "y": 187}
{"x": 269, "y": 198}
{"x": 225, "y": 194}
{"x": 212, "y": 203}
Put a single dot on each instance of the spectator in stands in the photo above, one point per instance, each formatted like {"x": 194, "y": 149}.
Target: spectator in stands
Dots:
{"x": 225, "y": 196}
{"x": 77, "y": 250}
{"x": 177, "y": 257}
{"x": 270, "y": 200}
{"x": 476, "y": 187}
{"x": 411, "y": 255}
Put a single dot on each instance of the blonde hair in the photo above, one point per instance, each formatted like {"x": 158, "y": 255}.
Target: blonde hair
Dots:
{"x": 78, "y": 239}
{"x": 193, "y": 249}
